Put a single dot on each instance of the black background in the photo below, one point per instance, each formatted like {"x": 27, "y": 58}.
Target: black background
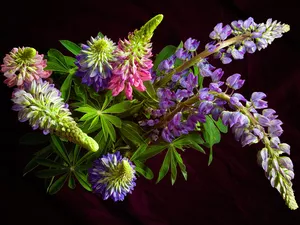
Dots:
{"x": 233, "y": 190}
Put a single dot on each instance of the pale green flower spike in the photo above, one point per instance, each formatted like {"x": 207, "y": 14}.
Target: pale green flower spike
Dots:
{"x": 41, "y": 104}
{"x": 146, "y": 32}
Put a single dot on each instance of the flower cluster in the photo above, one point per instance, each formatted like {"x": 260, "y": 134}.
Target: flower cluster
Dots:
{"x": 41, "y": 104}
{"x": 258, "y": 36}
{"x": 23, "y": 65}
{"x": 112, "y": 176}
{"x": 178, "y": 108}
{"x": 94, "y": 62}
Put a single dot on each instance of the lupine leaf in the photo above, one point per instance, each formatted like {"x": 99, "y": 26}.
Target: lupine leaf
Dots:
{"x": 119, "y": 108}
{"x": 56, "y": 56}
{"x": 55, "y": 66}
{"x": 66, "y": 87}
{"x": 94, "y": 122}
{"x": 142, "y": 169}
{"x": 80, "y": 90}
{"x": 111, "y": 130}
{"x": 58, "y": 184}
{"x": 151, "y": 151}
{"x": 76, "y": 153}
{"x": 131, "y": 132}
{"x": 150, "y": 90}
{"x": 181, "y": 164}
{"x": 82, "y": 178}
{"x": 86, "y": 109}
{"x": 211, "y": 135}
{"x": 71, "y": 46}
{"x": 70, "y": 61}
{"x": 165, "y": 166}
{"x": 71, "y": 182}
{"x": 108, "y": 98}
{"x": 223, "y": 128}
{"x": 99, "y": 138}
{"x": 32, "y": 164}
{"x": 59, "y": 148}
{"x": 139, "y": 151}
{"x": 49, "y": 163}
{"x": 116, "y": 121}
{"x": 133, "y": 110}
{"x": 173, "y": 164}
{"x": 89, "y": 116}
{"x": 165, "y": 53}
{"x": 104, "y": 127}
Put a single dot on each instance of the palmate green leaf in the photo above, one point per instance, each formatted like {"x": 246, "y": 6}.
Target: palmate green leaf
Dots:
{"x": 142, "y": 169}
{"x": 47, "y": 173}
{"x": 82, "y": 178}
{"x": 59, "y": 148}
{"x": 89, "y": 116}
{"x": 50, "y": 163}
{"x": 56, "y": 56}
{"x": 165, "y": 53}
{"x": 111, "y": 131}
{"x": 71, "y": 46}
{"x": 211, "y": 135}
{"x": 165, "y": 166}
{"x": 141, "y": 149}
{"x": 66, "y": 87}
{"x": 34, "y": 138}
{"x": 58, "y": 184}
{"x": 108, "y": 129}
{"x": 32, "y": 164}
{"x": 119, "y": 108}
{"x": 116, "y": 121}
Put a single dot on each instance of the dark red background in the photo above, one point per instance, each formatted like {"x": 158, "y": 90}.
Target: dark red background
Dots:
{"x": 233, "y": 190}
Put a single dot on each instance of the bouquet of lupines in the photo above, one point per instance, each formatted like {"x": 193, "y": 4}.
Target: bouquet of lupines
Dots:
{"x": 108, "y": 109}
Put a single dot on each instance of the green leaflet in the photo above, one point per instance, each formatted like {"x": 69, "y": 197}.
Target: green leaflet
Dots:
{"x": 142, "y": 169}
{"x": 165, "y": 166}
{"x": 82, "y": 178}
{"x": 58, "y": 184}
{"x": 66, "y": 87}
{"x": 211, "y": 135}
{"x": 71, "y": 46}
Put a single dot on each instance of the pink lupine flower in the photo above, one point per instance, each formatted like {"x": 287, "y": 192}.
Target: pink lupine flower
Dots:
{"x": 132, "y": 66}
{"x": 23, "y": 65}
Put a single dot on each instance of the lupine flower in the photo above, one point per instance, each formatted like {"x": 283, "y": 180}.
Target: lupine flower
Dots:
{"x": 220, "y": 32}
{"x": 23, "y": 65}
{"x": 94, "y": 62}
{"x": 41, "y": 104}
{"x": 112, "y": 176}
{"x": 133, "y": 63}
{"x": 191, "y": 44}
{"x": 234, "y": 81}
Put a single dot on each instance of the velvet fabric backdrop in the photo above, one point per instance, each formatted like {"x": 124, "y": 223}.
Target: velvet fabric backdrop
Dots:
{"x": 233, "y": 190}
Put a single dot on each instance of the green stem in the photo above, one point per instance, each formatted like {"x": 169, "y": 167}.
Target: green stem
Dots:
{"x": 198, "y": 57}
